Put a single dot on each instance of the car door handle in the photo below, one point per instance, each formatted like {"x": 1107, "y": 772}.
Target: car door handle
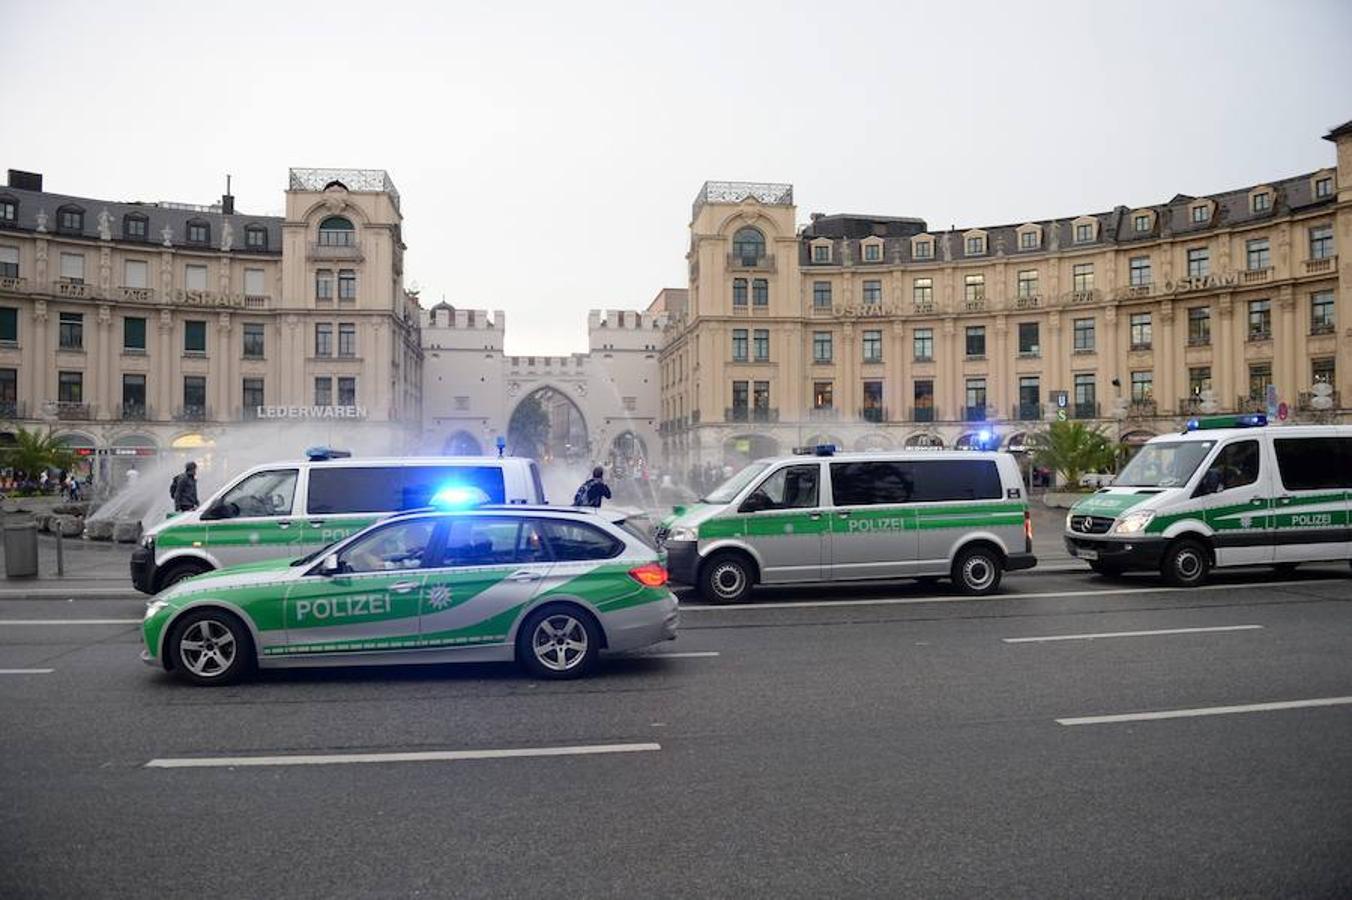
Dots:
{"x": 523, "y": 577}
{"x": 284, "y": 525}
{"x": 1284, "y": 500}
{"x": 814, "y": 516}
{"x": 844, "y": 515}
{"x": 1257, "y": 501}
{"x": 315, "y": 523}
{"x": 402, "y": 587}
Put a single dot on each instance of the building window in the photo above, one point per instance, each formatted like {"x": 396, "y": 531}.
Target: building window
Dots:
{"x": 72, "y": 268}
{"x": 1199, "y": 262}
{"x": 336, "y": 231}
{"x": 135, "y": 228}
{"x": 1201, "y": 213}
{"x": 255, "y": 238}
{"x": 1028, "y": 240}
{"x": 1260, "y": 320}
{"x": 1323, "y": 187}
{"x": 1321, "y": 312}
{"x": 1321, "y": 242}
{"x": 873, "y": 346}
{"x": 70, "y": 331}
{"x": 9, "y": 325}
{"x": 253, "y": 340}
{"x": 1322, "y": 371}
{"x": 1257, "y": 254}
{"x": 873, "y": 292}
{"x": 347, "y": 284}
{"x": 1142, "y": 386}
{"x": 1030, "y": 397}
{"x": 323, "y": 284}
{"x": 1199, "y": 326}
{"x": 1199, "y": 380}
{"x": 133, "y": 396}
{"x": 873, "y": 401}
{"x": 135, "y": 273}
{"x": 1261, "y": 202}
{"x": 739, "y": 292}
{"x": 1084, "y": 335}
{"x": 253, "y": 283}
{"x": 323, "y": 339}
{"x": 347, "y": 339}
{"x": 739, "y": 398}
{"x": 922, "y": 290}
{"x": 70, "y": 387}
{"x": 9, "y": 262}
{"x": 347, "y": 391}
{"x": 924, "y": 250}
{"x": 252, "y": 396}
{"x": 195, "y": 278}
{"x": 1082, "y": 277}
{"x": 324, "y": 391}
{"x": 1084, "y": 233}
{"x": 821, "y": 346}
{"x": 974, "y": 287}
{"x": 760, "y": 397}
{"x": 1140, "y": 224}
{"x": 976, "y": 399}
{"x": 976, "y": 341}
{"x": 9, "y": 393}
{"x": 9, "y": 211}
{"x": 194, "y": 337}
{"x": 923, "y": 398}
{"x": 134, "y": 334}
{"x": 923, "y": 342}
{"x": 199, "y": 233}
{"x": 760, "y": 345}
{"x": 1027, "y": 285}
{"x": 821, "y": 253}
{"x": 1028, "y": 339}
{"x": 760, "y": 292}
{"x": 194, "y": 396}
{"x": 822, "y": 395}
{"x": 70, "y": 220}
{"x": 976, "y": 246}
{"x": 748, "y": 246}
{"x": 1260, "y": 376}
{"x": 739, "y": 338}
{"x": 1139, "y": 274}
{"x": 1086, "y": 397}
{"x": 821, "y": 295}
{"x": 1140, "y": 331}
{"x": 873, "y": 252}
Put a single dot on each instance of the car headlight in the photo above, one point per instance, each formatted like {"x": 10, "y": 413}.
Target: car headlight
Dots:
{"x": 1070, "y": 516}
{"x": 1132, "y": 523}
{"x": 683, "y": 533}
{"x": 148, "y": 541}
{"x": 155, "y": 606}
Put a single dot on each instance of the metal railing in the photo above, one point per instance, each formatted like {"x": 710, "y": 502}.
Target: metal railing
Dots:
{"x": 352, "y": 251}
{"x": 1026, "y": 412}
{"x": 191, "y": 413}
{"x": 1142, "y": 408}
{"x": 975, "y": 413}
{"x": 823, "y": 414}
{"x": 134, "y": 412}
{"x": 763, "y": 263}
{"x": 923, "y": 414}
{"x": 1247, "y": 404}
{"x": 873, "y": 414}
{"x": 1322, "y": 328}
{"x": 1089, "y": 410}
{"x": 73, "y": 409}
{"x": 13, "y": 409}
{"x": 1189, "y": 406}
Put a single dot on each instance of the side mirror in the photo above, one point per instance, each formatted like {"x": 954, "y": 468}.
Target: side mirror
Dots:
{"x": 1211, "y": 483}
{"x": 330, "y": 565}
{"x": 755, "y": 503}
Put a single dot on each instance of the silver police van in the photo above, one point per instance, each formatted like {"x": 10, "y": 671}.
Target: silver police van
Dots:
{"x": 828, "y": 517}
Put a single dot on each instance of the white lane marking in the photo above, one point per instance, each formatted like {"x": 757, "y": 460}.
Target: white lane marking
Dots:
{"x": 70, "y": 622}
{"x": 1044, "y": 595}
{"x": 414, "y": 756}
{"x": 1205, "y": 711}
{"x": 703, "y": 654}
{"x": 1122, "y": 634}
{"x": 26, "y": 671}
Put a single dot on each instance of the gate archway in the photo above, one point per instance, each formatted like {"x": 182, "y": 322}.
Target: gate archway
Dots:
{"x": 462, "y": 443}
{"x": 548, "y": 425}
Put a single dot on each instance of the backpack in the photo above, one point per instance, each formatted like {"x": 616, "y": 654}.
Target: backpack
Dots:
{"x": 580, "y": 498}
{"x": 173, "y": 488}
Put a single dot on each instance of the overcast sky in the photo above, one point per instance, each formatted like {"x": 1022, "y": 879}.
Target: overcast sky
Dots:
{"x": 547, "y": 155}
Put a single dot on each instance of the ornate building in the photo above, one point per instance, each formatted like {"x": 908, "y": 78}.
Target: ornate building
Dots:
{"x": 875, "y": 332}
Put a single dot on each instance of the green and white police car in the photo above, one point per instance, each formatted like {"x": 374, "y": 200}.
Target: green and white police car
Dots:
{"x": 548, "y": 587}
{"x": 829, "y": 517}
{"x": 1227, "y": 491}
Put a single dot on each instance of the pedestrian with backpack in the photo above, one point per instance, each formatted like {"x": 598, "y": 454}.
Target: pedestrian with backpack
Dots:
{"x": 183, "y": 489}
{"x": 593, "y": 490}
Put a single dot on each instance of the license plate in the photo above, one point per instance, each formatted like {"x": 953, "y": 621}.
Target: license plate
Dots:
{"x": 1086, "y": 554}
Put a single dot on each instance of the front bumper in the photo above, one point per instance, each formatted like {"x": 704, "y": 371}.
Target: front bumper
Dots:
{"x": 1135, "y": 552}
{"x": 683, "y": 561}
{"x": 143, "y": 570}
{"x": 1016, "y": 561}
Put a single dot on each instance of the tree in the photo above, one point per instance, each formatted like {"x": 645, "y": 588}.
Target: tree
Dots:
{"x": 33, "y": 451}
{"x": 1072, "y": 449}
{"x": 528, "y": 432}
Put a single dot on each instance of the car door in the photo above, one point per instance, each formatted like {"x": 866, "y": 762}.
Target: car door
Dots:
{"x": 253, "y": 520}
{"x": 1235, "y": 499}
{"x": 783, "y": 518}
{"x": 488, "y": 571}
{"x": 341, "y": 500}
{"x": 1310, "y": 510}
{"x": 872, "y": 525}
{"x": 372, "y": 601}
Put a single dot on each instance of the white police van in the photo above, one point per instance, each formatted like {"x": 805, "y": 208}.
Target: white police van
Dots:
{"x": 1227, "y": 491}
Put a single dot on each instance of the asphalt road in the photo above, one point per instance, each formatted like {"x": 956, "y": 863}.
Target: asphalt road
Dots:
{"x": 890, "y": 741}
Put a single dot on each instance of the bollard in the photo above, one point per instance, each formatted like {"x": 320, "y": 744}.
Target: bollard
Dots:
{"x": 60, "y": 556}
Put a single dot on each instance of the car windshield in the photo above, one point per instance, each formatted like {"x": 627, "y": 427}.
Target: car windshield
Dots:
{"x": 1164, "y": 464}
{"x": 733, "y": 486}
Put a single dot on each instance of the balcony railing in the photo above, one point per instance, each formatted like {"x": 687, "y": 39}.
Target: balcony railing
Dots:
{"x": 873, "y": 414}
{"x": 1137, "y": 290}
{"x": 136, "y": 294}
{"x": 923, "y": 307}
{"x": 191, "y": 413}
{"x": 75, "y": 290}
{"x": 923, "y": 414}
{"x": 14, "y": 283}
{"x": 1088, "y": 410}
{"x": 1260, "y": 334}
{"x": 1320, "y": 266}
{"x": 763, "y": 263}
{"x": 823, "y": 414}
{"x": 1027, "y": 412}
{"x": 13, "y": 409}
{"x": 1201, "y": 340}
{"x": 350, "y": 251}
{"x": 1257, "y": 276}
{"x": 1190, "y": 406}
{"x": 1304, "y": 398}
{"x": 1027, "y": 301}
{"x": 1246, "y": 404}
{"x": 1141, "y": 408}
{"x": 975, "y": 413}
{"x": 1322, "y": 328}
{"x": 748, "y": 414}
{"x": 134, "y": 412}
{"x": 72, "y": 409}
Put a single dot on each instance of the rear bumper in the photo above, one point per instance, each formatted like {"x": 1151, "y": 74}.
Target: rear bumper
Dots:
{"x": 683, "y": 561}
{"x": 143, "y": 570}
{"x": 1134, "y": 553}
{"x": 1016, "y": 561}
{"x": 642, "y": 625}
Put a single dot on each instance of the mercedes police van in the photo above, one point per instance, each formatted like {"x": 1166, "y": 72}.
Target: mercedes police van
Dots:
{"x": 288, "y": 509}
{"x": 819, "y": 516}
{"x": 1227, "y": 491}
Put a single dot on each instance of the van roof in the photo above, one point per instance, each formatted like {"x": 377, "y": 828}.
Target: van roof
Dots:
{"x": 1277, "y": 431}
{"x": 607, "y": 515}
{"x": 877, "y": 455}
{"x": 366, "y": 461}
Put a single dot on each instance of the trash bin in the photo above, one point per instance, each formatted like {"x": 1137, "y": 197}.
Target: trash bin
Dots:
{"x": 21, "y": 550}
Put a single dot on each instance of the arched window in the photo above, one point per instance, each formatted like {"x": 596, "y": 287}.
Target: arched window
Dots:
{"x": 748, "y": 246}
{"x": 335, "y": 231}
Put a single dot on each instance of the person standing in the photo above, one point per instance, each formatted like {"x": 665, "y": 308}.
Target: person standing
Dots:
{"x": 184, "y": 488}
{"x": 593, "y": 490}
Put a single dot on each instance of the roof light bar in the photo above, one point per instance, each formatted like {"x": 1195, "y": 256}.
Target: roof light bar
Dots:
{"x": 1248, "y": 420}
{"x": 320, "y": 454}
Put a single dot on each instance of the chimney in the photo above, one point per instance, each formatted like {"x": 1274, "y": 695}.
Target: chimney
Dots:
{"x": 228, "y": 199}
{"x": 25, "y": 181}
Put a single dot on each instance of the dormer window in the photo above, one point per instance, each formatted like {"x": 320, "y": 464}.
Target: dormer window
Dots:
{"x": 135, "y": 227}
{"x": 70, "y": 220}
{"x": 923, "y": 249}
{"x": 873, "y": 252}
{"x": 975, "y": 245}
{"x": 1201, "y": 212}
{"x": 199, "y": 232}
{"x": 1140, "y": 223}
{"x": 9, "y": 211}
{"x": 1260, "y": 202}
{"x": 1323, "y": 188}
{"x": 1084, "y": 234}
{"x": 255, "y": 237}
{"x": 336, "y": 231}
{"x": 821, "y": 253}
{"x": 1028, "y": 240}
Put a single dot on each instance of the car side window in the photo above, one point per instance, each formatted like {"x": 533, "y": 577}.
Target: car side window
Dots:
{"x": 792, "y": 487}
{"x": 268, "y": 493}
{"x": 483, "y": 541}
{"x": 871, "y": 483}
{"x": 576, "y": 541}
{"x": 393, "y": 548}
{"x": 1235, "y": 466}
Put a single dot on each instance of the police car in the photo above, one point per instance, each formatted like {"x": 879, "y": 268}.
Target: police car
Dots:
{"x": 820, "y": 516}
{"x": 545, "y": 586}
{"x": 1227, "y": 491}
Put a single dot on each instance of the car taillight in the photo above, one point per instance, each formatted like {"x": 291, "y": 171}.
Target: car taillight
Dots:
{"x": 1028, "y": 530}
{"x": 652, "y": 575}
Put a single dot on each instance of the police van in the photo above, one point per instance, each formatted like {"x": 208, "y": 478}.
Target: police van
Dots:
{"x": 288, "y": 509}
{"x": 1227, "y": 491}
{"x": 828, "y": 517}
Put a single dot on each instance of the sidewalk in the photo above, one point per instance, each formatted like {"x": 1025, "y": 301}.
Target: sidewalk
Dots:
{"x": 92, "y": 569}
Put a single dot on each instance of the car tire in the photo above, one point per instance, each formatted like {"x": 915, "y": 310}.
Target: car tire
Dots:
{"x": 210, "y": 647}
{"x": 1186, "y": 564}
{"x": 181, "y": 571}
{"x": 977, "y": 571}
{"x": 1107, "y": 570}
{"x": 726, "y": 578}
{"x": 558, "y": 642}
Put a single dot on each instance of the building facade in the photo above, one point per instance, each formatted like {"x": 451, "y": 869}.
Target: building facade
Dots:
{"x": 140, "y": 328}
{"x": 878, "y": 332}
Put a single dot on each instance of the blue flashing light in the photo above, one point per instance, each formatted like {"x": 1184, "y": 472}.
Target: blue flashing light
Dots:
{"x": 501, "y": 444}
{"x": 458, "y": 496}
{"x": 1248, "y": 420}
{"x": 825, "y": 449}
{"x": 320, "y": 454}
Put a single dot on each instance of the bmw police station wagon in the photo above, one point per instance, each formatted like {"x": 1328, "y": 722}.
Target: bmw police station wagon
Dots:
{"x": 291, "y": 508}
{"x": 1228, "y": 491}
{"x": 545, "y": 586}
{"x": 855, "y": 516}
